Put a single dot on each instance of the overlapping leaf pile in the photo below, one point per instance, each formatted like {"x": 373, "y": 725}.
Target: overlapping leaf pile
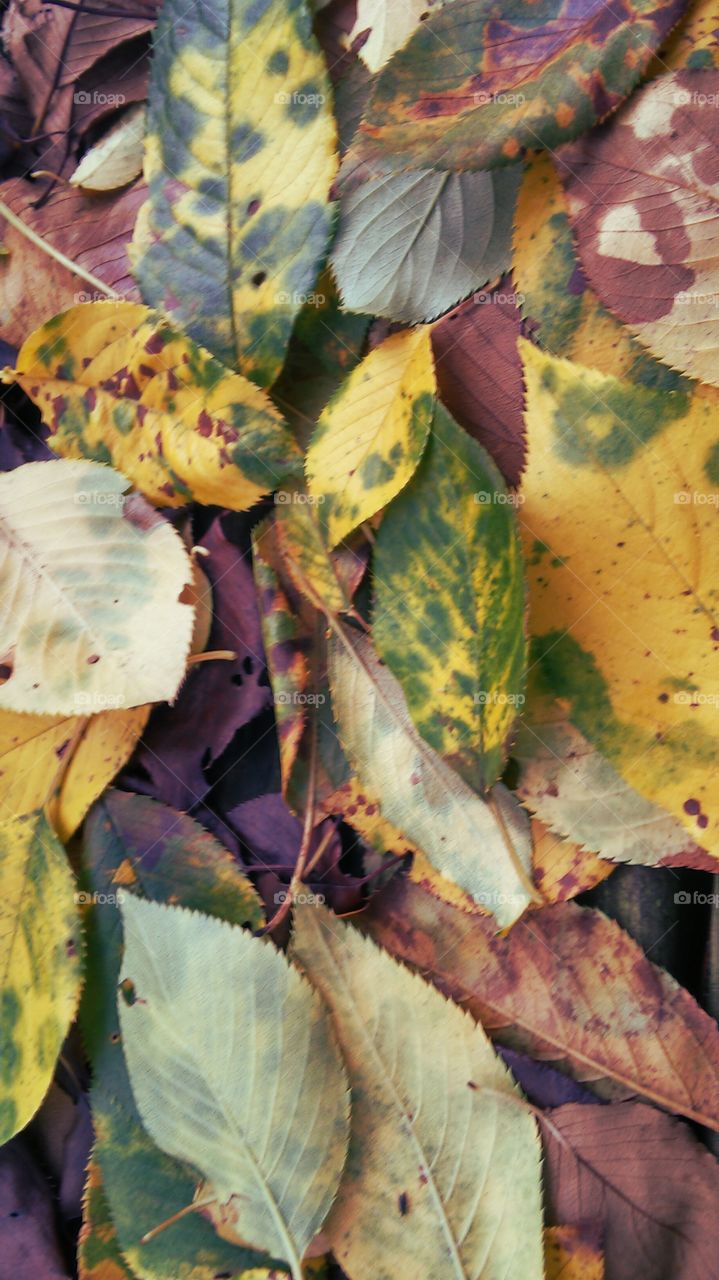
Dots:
{"x": 360, "y": 475}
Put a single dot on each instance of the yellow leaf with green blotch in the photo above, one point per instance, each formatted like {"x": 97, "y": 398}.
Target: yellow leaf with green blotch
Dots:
{"x": 621, "y": 493}
{"x": 235, "y": 1070}
{"x": 371, "y": 436}
{"x": 118, "y": 384}
{"x": 450, "y": 602}
{"x": 240, "y": 155}
{"x": 443, "y": 1176}
{"x": 40, "y": 963}
{"x": 91, "y": 587}
{"x": 481, "y": 846}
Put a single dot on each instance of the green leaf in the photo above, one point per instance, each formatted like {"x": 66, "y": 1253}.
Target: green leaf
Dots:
{"x": 240, "y": 156}
{"x": 474, "y": 85}
{"x": 131, "y": 841}
{"x": 410, "y": 246}
{"x": 370, "y": 437}
{"x": 40, "y": 964}
{"x": 450, "y": 603}
{"x": 443, "y": 1171}
{"x": 115, "y": 382}
{"x": 484, "y": 847}
{"x": 72, "y": 644}
{"x": 234, "y": 1068}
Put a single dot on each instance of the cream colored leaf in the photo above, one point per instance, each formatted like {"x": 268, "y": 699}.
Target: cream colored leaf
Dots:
{"x": 443, "y": 1172}
{"x": 117, "y": 158}
{"x": 235, "y": 1069}
{"x": 90, "y": 582}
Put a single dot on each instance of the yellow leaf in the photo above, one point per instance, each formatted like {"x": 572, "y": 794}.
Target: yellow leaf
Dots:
{"x": 40, "y": 965}
{"x": 115, "y": 382}
{"x": 240, "y": 157}
{"x": 621, "y": 492}
{"x": 34, "y": 752}
{"x": 371, "y": 436}
{"x": 106, "y": 743}
{"x": 572, "y": 1253}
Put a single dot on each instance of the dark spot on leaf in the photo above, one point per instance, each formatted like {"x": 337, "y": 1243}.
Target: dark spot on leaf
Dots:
{"x": 403, "y": 1203}
{"x": 259, "y": 278}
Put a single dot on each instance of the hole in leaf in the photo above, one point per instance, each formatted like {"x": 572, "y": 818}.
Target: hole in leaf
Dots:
{"x": 259, "y": 278}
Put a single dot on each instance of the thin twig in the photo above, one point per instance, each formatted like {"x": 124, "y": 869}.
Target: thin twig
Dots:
{"x": 52, "y": 252}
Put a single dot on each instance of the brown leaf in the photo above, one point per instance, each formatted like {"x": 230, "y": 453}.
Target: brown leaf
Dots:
{"x": 646, "y": 1178}
{"x": 565, "y": 985}
{"x": 92, "y": 230}
{"x": 573, "y": 1253}
{"x": 479, "y": 373}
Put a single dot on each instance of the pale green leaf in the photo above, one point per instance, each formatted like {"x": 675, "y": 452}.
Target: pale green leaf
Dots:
{"x": 412, "y": 245}
{"x": 443, "y": 1171}
{"x": 234, "y": 1069}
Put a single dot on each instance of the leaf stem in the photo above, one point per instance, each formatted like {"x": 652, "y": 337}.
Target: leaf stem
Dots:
{"x": 52, "y": 252}
{"x": 175, "y": 1217}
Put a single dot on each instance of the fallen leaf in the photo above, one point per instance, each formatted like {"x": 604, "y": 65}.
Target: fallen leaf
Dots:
{"x": 91, "y": 230}
{"x": 238, "y": 215}
{"x": 183, "y": 426}
{"x": 544, "y": 989}
{"x": 386, "y": 27}
{"x": 40, "y": 962}
{"x": 605, "y": 501}
{"x": 104, "y": 744}
{"x": 409, "y": 246}
{"x": 238, "y": 1002}
{"x": 370, "y": 438}
{"x": 98, "y": 1252}
{"x": 642, "y": 197}
{"x": 647, "y": 1181}
{"x": 479, "y": 373}
{"x": 465, "y": 838}
{"x": 470, "y": 89}
{"x": 66, "y": 527}
{"x": 438, "y": 1128}
{"x": 30, "y": 1237}
{"x": 449, "y": 603}
{"x": 34, "y": 752}
{"x": 132, "y": 842}
{"x": 573, "y": 1253}
{"x": 117, "y": 158}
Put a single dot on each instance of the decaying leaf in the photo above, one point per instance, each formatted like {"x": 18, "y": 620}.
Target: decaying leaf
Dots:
{"x": 70, "y": 644}
{"x": 225, "y": 1094}
{"x": 386, "y": 27}
{"x": 621, "y": 479}
{"x": 467, "y": 839}
{"x": 105, "y": 743}
{"x": 450, "y": 600}
{"x": 116, "y": 382}
{"x": 644, "y": 1178}
{"x": 240, "y": 155}
{"x": 40, "y": 963}
{"x": 540, "y": 989}
{"x": 471, "y": 88}
{"x": 98, "y": 1253}
{"x": 439, "y": 1132}
{"x": 643, "y": 198}
{"x": 573, "y": 1253}
{"x": 370, "y": 437}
